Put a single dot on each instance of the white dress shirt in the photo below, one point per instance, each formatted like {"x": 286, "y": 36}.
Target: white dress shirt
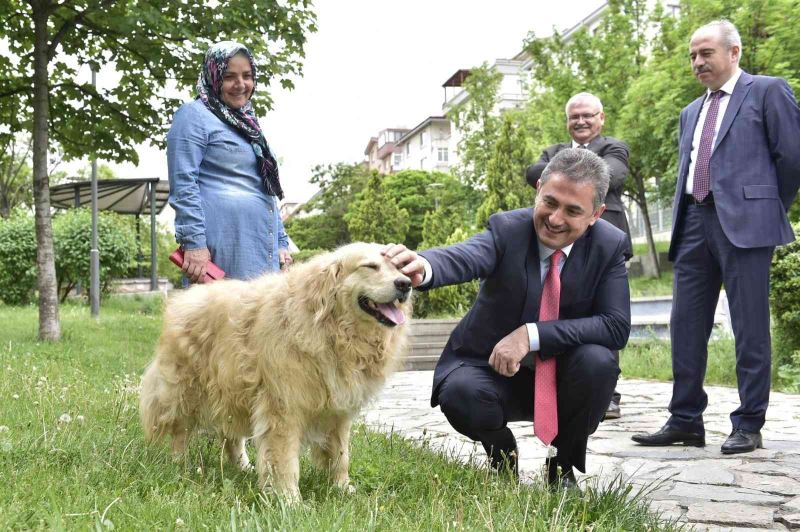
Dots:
{"x": 544, "y": 267}
{"x": 727, "y": 90}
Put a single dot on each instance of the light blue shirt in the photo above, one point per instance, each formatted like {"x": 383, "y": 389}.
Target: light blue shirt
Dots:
{"x": 218, "y": 195}
{"x": 544, "y": 267}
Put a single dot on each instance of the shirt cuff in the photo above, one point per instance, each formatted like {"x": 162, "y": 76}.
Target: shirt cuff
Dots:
{"x": 428, "y": 272}
{"x": 533, "y": 336}
{"x": 193, "y": 242}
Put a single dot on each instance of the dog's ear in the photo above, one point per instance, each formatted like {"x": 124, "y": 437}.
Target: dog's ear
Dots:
{"x": 322, "y": 288}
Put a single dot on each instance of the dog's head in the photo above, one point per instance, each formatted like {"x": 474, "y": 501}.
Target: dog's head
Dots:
{"x": 362, "y": 282}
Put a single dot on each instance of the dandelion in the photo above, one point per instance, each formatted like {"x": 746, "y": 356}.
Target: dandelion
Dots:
{"x": 15, "y": 396}
{"x": 65, "y": 418}
{"x": 3, "y": 429}
{"x": 108, "y": 524}
{"x": 80, "y": 419}
{"x": 199, "y": 470}
{"x": 179, "y": 522}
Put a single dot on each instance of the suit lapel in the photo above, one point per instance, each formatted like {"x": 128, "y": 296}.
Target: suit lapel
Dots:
{"x": 740, "y": 91}
{"x": 574, "y": 269}
{"x": 533, "y": 275}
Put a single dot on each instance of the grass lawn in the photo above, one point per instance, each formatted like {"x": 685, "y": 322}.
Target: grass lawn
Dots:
{"x": 649, "y": 287}
{"x": 72, "y": 455}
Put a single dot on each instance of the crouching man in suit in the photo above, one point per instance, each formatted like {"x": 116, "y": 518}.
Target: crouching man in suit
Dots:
{"x": 537, "y": 343}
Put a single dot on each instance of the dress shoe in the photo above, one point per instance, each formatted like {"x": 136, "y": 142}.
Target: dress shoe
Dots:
{"x": 612, "y": 412}
{"x": 667, "y": 436}
{"x": 742, "y": 441}
{"x": 560, "y": 476}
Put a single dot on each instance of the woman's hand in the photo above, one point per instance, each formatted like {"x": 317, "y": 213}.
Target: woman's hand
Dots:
{"x": 194, "y": 263}
{"x": 284, "y": 259}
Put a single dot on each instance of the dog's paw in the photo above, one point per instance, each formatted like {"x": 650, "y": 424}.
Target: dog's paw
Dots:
{"x": 346, "y": 487}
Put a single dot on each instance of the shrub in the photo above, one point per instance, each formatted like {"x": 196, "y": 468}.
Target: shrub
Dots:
{"x": 17, "y": 259}
{"x": 72, "y": 235}
{"x": 305, "y": 254}
{"x": 785, "y": 298}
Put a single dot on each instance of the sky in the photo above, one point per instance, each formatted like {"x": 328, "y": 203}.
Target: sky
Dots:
{"x": 375, "y": 64}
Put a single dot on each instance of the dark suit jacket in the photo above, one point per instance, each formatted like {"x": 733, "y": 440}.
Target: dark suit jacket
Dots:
{"x": 595, "y": 304}
{"x": 613, "y": 151}
{"x": 755, "y": 165}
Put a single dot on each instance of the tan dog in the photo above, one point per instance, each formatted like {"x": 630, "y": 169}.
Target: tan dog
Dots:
{"x": 286, "y": 359}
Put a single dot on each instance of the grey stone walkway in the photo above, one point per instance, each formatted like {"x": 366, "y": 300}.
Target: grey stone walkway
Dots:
{"x": 759, "y": 490}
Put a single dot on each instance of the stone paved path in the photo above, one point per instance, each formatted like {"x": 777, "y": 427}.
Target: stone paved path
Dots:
{"x": 754, "y": 491}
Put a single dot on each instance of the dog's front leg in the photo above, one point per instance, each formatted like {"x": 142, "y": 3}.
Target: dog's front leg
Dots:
{"x": 278, "y": 461}
{"x": 334, "y": 454}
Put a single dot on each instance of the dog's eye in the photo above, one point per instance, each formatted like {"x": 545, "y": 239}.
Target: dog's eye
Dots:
{"x": 371, "y": 265}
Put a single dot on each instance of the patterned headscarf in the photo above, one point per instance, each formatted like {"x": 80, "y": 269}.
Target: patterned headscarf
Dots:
{"x": 209, "y": 89}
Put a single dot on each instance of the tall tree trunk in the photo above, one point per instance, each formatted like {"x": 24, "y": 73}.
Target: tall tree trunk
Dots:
{"x": 49, "y": 326}
{"x": 651, "y": 268}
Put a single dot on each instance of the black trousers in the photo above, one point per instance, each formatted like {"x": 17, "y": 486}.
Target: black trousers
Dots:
{"x": 705, "y": 259}
{"x": 478, "y": 402}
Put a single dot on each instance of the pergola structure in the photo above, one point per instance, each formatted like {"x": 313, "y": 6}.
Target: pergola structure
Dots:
{"x": 146, "y": 195}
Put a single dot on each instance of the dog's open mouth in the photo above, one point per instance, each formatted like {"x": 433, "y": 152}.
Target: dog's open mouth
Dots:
{"x": 386, "y": 313}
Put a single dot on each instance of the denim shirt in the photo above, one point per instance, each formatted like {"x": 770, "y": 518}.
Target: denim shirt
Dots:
{"x": 218, "y": 196}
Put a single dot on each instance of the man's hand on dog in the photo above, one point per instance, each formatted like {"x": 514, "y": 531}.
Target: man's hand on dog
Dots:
{"x": 509, "y": 351}
{"x": 194, "y": 263}
{"x": 407, "y": 261}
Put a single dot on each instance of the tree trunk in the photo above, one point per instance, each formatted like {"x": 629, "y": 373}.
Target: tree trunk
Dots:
{"x": 650, "y": 268}
{"x": 49, "y": 326}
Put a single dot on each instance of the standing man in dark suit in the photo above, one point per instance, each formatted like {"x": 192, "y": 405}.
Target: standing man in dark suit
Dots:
{"x": 518, "y": 330}
{"x": 585, "y": 119}
{"x": 738, "y": 173}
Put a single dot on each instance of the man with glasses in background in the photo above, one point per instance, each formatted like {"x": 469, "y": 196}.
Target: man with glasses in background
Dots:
{"x": 585, "y": 119}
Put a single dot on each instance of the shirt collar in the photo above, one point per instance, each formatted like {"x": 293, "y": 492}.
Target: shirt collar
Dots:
{"x": 578, "y": 144}
{"x": 545, "y": 252}
{"x": 729, "y": 85}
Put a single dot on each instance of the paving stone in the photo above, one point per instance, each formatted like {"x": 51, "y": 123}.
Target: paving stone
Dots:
{"x": 780, "y": 468}
{"x": 706, "y": 473}
{"x": 684, "y": 491}
{"x": 791, "y": 520}
{"x": 730, "y": 514}
{"x": 793, "y": 504}
{"x": 770, "y": 483}
{"x": 668, "y": 510}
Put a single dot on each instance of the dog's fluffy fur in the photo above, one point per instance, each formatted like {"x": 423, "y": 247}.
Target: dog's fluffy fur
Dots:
{"x": 286, "y": 359}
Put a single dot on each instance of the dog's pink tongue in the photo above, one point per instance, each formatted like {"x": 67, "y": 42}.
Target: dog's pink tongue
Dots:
{"x": 393, "y": 313}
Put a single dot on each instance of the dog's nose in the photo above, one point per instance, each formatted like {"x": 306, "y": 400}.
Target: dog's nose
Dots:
{"x": 404, "y": 285}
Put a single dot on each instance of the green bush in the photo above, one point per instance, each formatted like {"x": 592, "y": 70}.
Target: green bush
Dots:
{"x": 72, "y": 235}
{"x": 17, "y": 258}
{"x": 785, "y": 298}
{"x": 305, "y": 254}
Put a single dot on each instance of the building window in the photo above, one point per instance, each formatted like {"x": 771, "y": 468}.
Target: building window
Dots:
{"x": 421, "y": 139}
{"x": 408, "y": 149}
{"x": 397, "y": 158}
{"x": 442, "y": 154}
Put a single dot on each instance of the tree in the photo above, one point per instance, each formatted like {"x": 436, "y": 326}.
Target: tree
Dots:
{"x": 604, "y": 61}
{"x": 478, "y": 123}
{"x": 506, "y": 188}
{"x": 375, "y": 216}
{"x": 150, "y": 43}
{"x": 15, "y": 173}
{"x": 325, "y": 228}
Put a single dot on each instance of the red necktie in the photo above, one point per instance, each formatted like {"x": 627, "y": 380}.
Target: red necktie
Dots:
{"x": 702, "y": 174}
{"x": 545, "y": 409}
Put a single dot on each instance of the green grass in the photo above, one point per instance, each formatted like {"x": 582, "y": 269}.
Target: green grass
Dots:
{"x": 642, "y": 249}
{"x": 72, "y": 456}
{"x": 649, "y": 287}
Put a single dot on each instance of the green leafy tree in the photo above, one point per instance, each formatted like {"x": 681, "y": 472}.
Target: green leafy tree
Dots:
{"x": 416, "y": 191}
{"x": 605, "y": 61}
{"x": 375, "y": 216}
{"x": 17, "y": 258}
{"x": 325, "y": 228}
{"x": 506, "y": 188}
{"x": 15, "y": 173}
{"x": 149, "y": 43}
{"x": 478, "y": 123}
{"x": 72, "y": 246}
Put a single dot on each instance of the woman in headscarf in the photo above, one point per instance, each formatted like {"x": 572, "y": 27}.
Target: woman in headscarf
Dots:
{"x": 223, "y": 177}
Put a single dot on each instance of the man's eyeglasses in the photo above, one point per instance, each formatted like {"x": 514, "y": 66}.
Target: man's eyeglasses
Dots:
{"x": 585, "y": 117}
